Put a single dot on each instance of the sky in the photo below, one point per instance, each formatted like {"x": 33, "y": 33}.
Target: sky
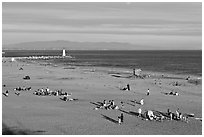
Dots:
{"x": 151, "y": 24}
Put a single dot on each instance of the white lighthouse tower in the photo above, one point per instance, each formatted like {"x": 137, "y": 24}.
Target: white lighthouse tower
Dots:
{"x": 63, "y": 53}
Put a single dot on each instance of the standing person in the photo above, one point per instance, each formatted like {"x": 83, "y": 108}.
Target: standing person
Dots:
{"x": 119, "y": 120}
{"x": 177, "y": 114}
{"x": 134, "y": 72}
{"x": 128, "y": 87}
{"x": 104, "y": 103}
{"x": 57, "y": 93}
{"x": 139, "y": 112}
{"x": 121, "y": 116}
{"x": 147, "y": 92}
{"x": 169, "y": 113}
{"x": 48, "y": 90}
{"x": 113, "y": 103}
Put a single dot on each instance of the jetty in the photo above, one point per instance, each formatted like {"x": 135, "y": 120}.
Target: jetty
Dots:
{"x": 47, "y": 57}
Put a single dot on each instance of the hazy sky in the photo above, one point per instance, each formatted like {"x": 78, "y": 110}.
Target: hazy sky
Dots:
{"x": 160, "y": 25}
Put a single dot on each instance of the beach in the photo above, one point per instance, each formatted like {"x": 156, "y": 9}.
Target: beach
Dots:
{"x": 49, "y": 115}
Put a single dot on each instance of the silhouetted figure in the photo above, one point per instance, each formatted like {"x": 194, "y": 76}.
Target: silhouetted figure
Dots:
{"x": 7, "y": 92}
{"x": 17, "y": 93}
{"x": 26, "y": 77}
{"x": 148, "y": 92}
{"x": 122, "y": 104}
{"x": 128, "y": 87}
{"x": 134, "y": 72}
{"x": 169, "y": 113}
{"x": 121, "y": 116}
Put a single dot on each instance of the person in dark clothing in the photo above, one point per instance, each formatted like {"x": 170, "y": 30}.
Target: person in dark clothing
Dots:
{"x": 121, "y": 116}
{"x": 128, "y": 87}
{"x": 148, "y": 92}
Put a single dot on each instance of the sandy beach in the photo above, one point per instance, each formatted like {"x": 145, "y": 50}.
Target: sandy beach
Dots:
{"x": 32, "y": 114}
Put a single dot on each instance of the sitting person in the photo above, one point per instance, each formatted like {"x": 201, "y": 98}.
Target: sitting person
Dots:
{"x": 171, "y": 93}
{"x": 149, "y": 115}
{"x": 17, "y": 93}
{"x": 109, "y": 105}
{"x": 72, "y": 99}
{"x": 6, "y": 94}
{"x": 65, "y": 98}
{"x": 29, "y": 88}
{"x": 127, "y": 88}
{"x": 104, "y": 103}
{"x": 122, "y": 104}
{"x": 184, "y": 118}
{"x": 176, "y": 93}
{"x": 112, "y": 103}
{"x": 142, "y": 102}
{"x": 116, "y": 107}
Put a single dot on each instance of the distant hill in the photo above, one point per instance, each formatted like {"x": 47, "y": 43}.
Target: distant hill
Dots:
{"x": 60, "y": 44}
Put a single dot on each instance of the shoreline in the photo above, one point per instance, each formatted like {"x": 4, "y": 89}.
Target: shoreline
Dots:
{"x": 178, "y": 63}
{"x": 124, "y": 70}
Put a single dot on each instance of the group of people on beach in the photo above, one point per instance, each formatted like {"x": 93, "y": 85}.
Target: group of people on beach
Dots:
{"x": 6, "y": 93}
{"x": 48, "y": 92}
{"x": 159, "y": 116}
{"x": 174, "y": 93}
{"x": 22, "y": 88}
{"x": 178, "y": 115}
{"x": 107, "y": 105}
{"x": 17, "y": 90}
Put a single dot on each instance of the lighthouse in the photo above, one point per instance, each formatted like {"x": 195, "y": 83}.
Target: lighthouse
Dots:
{"x": 63, "y": 53}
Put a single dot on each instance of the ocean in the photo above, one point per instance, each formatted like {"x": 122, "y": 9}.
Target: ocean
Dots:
{"x": 175, "y": 62}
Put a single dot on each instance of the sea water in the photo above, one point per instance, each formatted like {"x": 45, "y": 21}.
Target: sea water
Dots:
{"x": 176, "y": 62}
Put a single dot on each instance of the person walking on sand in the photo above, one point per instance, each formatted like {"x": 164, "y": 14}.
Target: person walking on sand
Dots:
{"x": 147, "y": 92}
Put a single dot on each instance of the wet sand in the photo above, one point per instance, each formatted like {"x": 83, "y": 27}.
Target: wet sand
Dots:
{"x": 32, "y": 114}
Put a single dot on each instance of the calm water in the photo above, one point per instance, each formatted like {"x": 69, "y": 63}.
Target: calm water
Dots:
{"x": 177, "y": 62}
